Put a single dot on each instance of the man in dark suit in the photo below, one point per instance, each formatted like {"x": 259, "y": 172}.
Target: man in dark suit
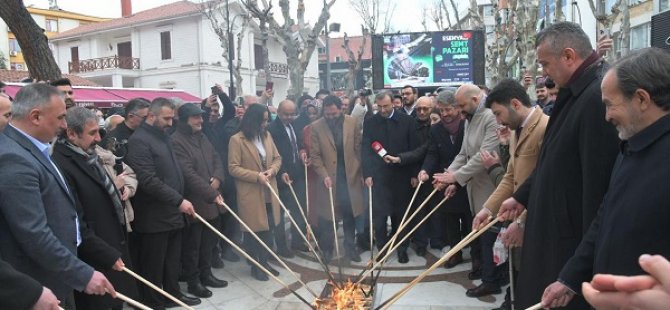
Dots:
{"x": 98, "y": 200}
{"x": 573, "y": 170}
{"x": 396, "y": 132}
{"x": 289, "y": 143}
{"x": 24, "y": 292}
{"x": 39, "y": 226}
{"x": 159, "y": 204}
{"x": 409, "y": 97}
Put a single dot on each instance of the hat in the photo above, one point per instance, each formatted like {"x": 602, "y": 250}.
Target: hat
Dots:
{"x": 189, "y": 109}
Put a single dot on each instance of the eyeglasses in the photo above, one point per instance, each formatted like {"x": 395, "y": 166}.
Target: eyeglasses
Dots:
{"x": 140, "y": 116}
{"x": 67, "y": 92}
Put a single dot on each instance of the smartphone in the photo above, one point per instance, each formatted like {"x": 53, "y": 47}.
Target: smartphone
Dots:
{"x": 269, "y": 85}
{"x": 605, "y": 33}
{"x": 215, "y": 90}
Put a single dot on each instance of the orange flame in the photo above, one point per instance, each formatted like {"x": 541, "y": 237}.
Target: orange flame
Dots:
{"x": 350, "y": 296}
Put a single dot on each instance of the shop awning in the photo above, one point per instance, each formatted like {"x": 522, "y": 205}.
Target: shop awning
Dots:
{"x": 129, "y": 93}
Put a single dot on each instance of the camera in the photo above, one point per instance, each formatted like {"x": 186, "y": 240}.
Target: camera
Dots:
{"x": 365, "y": 92}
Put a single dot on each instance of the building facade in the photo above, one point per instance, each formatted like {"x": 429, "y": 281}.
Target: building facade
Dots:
{"x": 171, "y": 47}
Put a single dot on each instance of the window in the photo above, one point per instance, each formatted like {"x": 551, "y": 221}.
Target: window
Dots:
{"x": 17, "y": 66}
{"x": 14, "y": 46}
{"x": 639, "y": 36}
{"x": 338, "y": 59}
{"x": 663, "y": 5}
{"x": 321, "y": 50}
{"x": 259, "y": 62}
{"x": 166, "y": 46}
{"x": 52, "y": 25}
{"x": 487, "y": 10}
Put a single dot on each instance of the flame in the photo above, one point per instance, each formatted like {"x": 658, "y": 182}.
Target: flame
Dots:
{"x": 350, "y": 296}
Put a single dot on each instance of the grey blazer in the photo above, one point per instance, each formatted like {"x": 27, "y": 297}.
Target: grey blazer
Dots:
{"x": 37, "y": 218}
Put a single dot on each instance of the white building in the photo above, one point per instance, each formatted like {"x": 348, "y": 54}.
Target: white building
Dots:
{"x": 171, "y": 46}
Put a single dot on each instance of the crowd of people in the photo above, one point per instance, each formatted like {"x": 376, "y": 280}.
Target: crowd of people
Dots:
{"x": 577, "y": 176}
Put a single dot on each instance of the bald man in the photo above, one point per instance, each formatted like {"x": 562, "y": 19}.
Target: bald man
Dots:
{"x": 467, "y": 168}
{"x": 289, "y": 144}
{"x": 5, "y": 111}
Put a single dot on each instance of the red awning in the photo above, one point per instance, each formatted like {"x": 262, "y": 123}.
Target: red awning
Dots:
{"x": 95, "y": 95}
{"x": 11, "y": 90}
{"x": 129, "y": 93}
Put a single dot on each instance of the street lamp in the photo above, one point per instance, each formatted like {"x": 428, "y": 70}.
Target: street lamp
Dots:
{"x": 334, "y": 27}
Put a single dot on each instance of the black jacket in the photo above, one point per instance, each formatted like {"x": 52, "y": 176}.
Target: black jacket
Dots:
{"x": 635, "y": 215}
{"x": 570, "y": 179}
{"x": 120, "y": 133}
{"x": 283, "y": 143}
{"x": 416, "y": 156}
{"x": 160, "y": 182}
{"x": 18, "y": 291}
{"x": 397, "y": 134}
{"x": 97, "y": 212}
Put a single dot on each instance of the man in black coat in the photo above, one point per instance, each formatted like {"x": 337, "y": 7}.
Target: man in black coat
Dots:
{"x": 24, "y": 292}
{"x": 634, "y": 215}
{"x": 159, "y": 204}
{"x": 451, "y": 223}
{"x": 571, "y": 177}
{"x": 289, "y": 143}
{"x": 396, "y": 132}
{"x": 135, "y": 113}
{"x": 99, "y": 202}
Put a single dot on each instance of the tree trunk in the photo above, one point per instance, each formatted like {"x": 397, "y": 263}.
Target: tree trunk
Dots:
{"x": 296, "y": 74}
{"x": 625, "y": 30}
{"x": 34, "y": 43}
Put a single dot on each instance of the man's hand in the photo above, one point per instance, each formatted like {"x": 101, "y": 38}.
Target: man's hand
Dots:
{"x": 391, "y": 159}
{"x": 513, "y": 236}
{"x": 368, "y": 182}
{"x": 451, "y": 191}
{"x": 99, "y": 285}
{"x": 527, "y": 80}
{"x": 504, "y": 134}
{"x": 118, "y": 265}
{"x": 328, "y": 182}
{"x": 650, "y": 292}
{"x": 286, "y": 178}
{"x": 510, "y": 209}
{"x": 446, "y": 177}
{"x": 414, "y": 182}
{"x": 263, "y": 178}
{"x": 119, "y": 180}
{"x": 187, "y": 207}
{"x": 489, "y": 158}
{"x": 605, "y": 44}
{"x": 423, "y": 176}
{"x": 125, "y": 194}
{"x": 219, "y": 200}
{"x": 214, "y": 183}
{"x": 481, "y": 219}
{"x": 304, "y": 157}
{"x": 47, "y": 301}
{"x": 556, "y": 295}
{"x": 211, "y": 100}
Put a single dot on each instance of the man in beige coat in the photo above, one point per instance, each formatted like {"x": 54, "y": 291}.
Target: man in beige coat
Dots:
{"x": 335, "y": 156}
{"x": 467, "y": 168}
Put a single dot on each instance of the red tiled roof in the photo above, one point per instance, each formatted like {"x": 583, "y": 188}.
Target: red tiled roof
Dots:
{"x": 15, "y": 76}
{"x": 175, "y": 9}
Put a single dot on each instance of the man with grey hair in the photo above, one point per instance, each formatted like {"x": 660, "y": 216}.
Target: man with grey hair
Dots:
{"x": 159, "y": 204}
{"x": 40, "y": 233}
{"x": 99, "y": 201}
{"x": 448, "y": 224}
{"x": 572, "y": 173}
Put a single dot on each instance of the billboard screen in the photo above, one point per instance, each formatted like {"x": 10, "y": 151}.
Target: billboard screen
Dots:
{"x": 428, "y": 59}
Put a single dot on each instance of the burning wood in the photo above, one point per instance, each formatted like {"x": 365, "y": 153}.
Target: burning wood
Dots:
{"x": 351, "y": 296}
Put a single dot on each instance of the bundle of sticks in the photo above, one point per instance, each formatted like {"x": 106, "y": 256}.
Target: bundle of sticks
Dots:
{"x": 350, "y": 296}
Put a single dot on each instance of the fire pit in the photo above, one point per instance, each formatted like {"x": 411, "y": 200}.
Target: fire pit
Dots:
{"x": 351, "y": 296}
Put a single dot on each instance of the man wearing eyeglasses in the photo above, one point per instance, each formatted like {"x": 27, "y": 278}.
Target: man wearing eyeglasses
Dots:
{"x": 136, "y": 112}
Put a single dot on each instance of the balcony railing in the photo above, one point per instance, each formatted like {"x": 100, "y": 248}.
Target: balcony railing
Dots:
{"x": 112, "y": 62}
{"x": 278, "y": 69}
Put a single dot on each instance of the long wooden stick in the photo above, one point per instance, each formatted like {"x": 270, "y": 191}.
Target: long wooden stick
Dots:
{"x": 441, "y": 261}
{"x": 251, "y": 259}
{"x": 156, "y": 288}
{"x": 269, "y": 250}
{"x": 337, "y": 243}
{"x": 535, "y": 306}
{"x": 309, "y": 245}
{"x": 510, "y": 263}
{"x": 370, "y": 219}
{"x": 309, "y": 231}
{"x": 132, "y": 302}
{"x": 306, "y": 191}
{"x": 388, "y": 253}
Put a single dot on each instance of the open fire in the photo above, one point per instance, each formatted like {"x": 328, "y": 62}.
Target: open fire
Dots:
{"x": 350, "y": 296}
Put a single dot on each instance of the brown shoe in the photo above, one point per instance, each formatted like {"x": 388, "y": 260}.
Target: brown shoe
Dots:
{"x": 483, "y": 289}
{"x": 454, "y": 261}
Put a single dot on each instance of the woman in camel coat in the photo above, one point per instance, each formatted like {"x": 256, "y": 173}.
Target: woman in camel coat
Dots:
{"x": 253, "y": 161}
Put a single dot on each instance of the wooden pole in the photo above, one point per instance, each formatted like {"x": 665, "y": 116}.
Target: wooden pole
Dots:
{"x": 269, "y": 250}
{"x": 132, "y": 302}
{"x": 458, "y": 247}
{"x": 535, "y": 306}
{"x": 251, "y": 259}
{"x": 337, "y": 243}
{"x": 304, "y": 217}
{"x": 156, "y": 288}
{"x": 404, "y": 217}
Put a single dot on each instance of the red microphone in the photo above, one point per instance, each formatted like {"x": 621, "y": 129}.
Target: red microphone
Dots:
{"x": 379, "y": 149}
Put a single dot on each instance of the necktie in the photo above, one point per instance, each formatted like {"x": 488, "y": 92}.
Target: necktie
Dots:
{"x": 294, "y": 145}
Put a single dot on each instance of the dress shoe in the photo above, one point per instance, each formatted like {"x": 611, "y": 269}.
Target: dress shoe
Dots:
{"x": 196, "y": 288}
{"x": 299, "y": 247}
{"x": 420, "y": 251}
{"x": 475, "y": 274}
{"x": 258, "y": 274}
{"x": 189, "y": 301}
{"x": 270, "y": 269}
{"x": 210, "y": 280}
{"x": 217, "y": 262}
{"x": 402, "y": 257}
{"x": 285, "y": 252}
{"x": 483, "y": 289}
{"x": 230, "y": 256}
{"x": 454, "y": 261}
